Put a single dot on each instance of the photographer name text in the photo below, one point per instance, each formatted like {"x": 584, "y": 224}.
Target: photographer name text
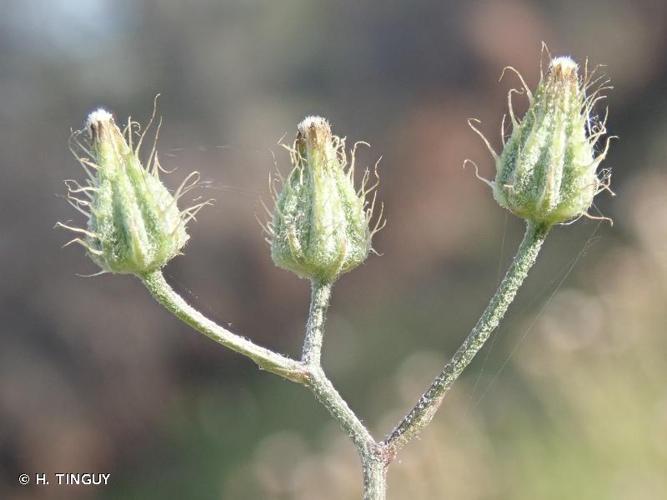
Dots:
{"x": 66, "y": 479}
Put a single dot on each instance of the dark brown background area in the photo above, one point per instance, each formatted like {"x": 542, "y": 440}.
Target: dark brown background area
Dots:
{"x": 569, "y": 399}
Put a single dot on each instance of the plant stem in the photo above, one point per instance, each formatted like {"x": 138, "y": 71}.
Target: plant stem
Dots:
{"x": 375, "y": 477}
{"x": 422, "y": 413}
{"x": 375, "y": 457}
{"x": 373, "y": 466}
{"x": 265, "y": 358}
{"x": 327, "y": 394}
{"x": 307, "y": 372}
{"x": 317, "y": 381}
{"x": 319, "y": 303}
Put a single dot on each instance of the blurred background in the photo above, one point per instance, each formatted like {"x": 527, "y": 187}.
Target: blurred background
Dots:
{"x": 568, "y": 400}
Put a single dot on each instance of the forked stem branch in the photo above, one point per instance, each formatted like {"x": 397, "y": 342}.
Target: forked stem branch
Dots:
{"x": 264, "y": 358}
{"x": 427, "y": 405}
{"x": 375, "y": 456}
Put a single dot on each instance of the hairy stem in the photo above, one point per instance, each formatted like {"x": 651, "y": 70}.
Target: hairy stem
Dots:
{"x": 375, "y": 477}
{"x": 307, "y": 372}
{"x": 319, "y": 303}
{"x": 317, "y": 381}
{"x": 373, "y": 466}
{"x": 375, "y": 457}
{"x": 265, "y": 358}
{"x": 327, "y": 394}
{"x": 422, "y": 413}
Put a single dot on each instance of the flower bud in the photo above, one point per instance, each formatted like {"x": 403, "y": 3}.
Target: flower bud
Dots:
{"x": 547, "y": 172}
{"x": 134, "y": 224}
{"x": 321, "y": 225}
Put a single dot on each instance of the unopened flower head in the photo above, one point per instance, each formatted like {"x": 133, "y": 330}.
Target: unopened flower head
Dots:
{"x": 321, "y": 225}
{"x": 548, "y": 170}
{"x": 134, "y": 224}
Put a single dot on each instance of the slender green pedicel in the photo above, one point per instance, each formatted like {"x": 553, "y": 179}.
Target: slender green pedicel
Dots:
{"x": 547, "y": 172}
{"x": 321, "y": 224}
{"x": 134, "y": 224}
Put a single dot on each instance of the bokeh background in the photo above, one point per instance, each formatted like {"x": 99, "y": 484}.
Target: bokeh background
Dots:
{"x": 569, "y": 399}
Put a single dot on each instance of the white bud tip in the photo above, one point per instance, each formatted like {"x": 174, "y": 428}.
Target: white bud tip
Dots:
{"x": 98, "y": 116}
{"x": 310, "y": 122}
{"x": 564, "y": 65}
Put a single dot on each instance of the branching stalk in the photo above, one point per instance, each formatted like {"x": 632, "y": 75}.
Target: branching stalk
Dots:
{"x": 265, "y": 358}
{"x": 135, "y": 227}
{"x": 422, "y": 413}
{"x": 375, "y": 457}
{"x": 307, "y": 372}
{"x": 373, "y": 462}
{"x": 374, "y": 467}
{"x": 327, "y": 394}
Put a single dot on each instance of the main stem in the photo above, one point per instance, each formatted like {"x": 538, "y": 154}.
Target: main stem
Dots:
{"x": 373, "y": 464}
{"x": 422, "y": 413}
{"x": 375, "y": 476}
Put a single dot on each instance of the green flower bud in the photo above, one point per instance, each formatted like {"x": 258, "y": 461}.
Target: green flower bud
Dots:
{"x": 547, "y": 172}
{"x": 134, "y": 224}
{"x": 321, "y": 225}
